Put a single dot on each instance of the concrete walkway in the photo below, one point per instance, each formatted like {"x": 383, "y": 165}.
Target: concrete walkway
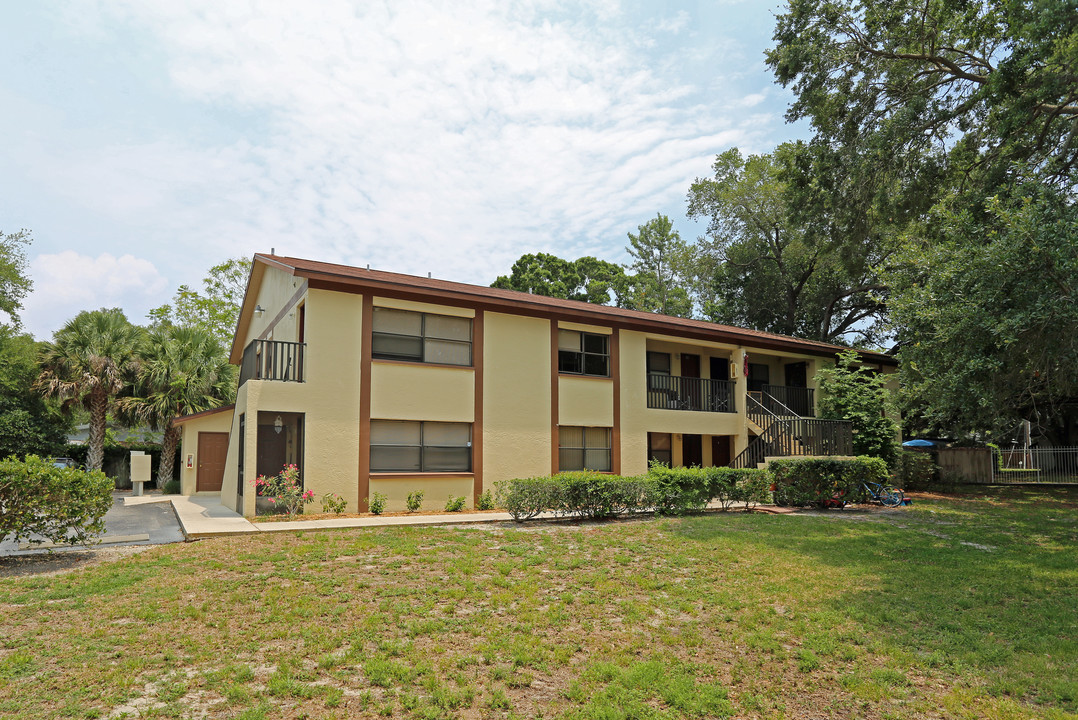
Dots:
{"x": 203, "y": 516}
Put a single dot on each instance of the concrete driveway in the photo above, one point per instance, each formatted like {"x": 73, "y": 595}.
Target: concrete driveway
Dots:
{"x": 151, "y": 524}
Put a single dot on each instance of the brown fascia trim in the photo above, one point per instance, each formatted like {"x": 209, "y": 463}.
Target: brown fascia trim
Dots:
{"x": 205, "y": 413}
{"x": 322, "y": 280}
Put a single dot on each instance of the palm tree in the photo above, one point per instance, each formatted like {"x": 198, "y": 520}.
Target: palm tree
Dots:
{"x": 182, "y": 370}
{"x": 90, "y": 361}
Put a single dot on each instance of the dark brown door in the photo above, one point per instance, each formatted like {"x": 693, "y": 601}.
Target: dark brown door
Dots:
{"x": 272, "y": 451}
{"x": 692, "y": 450}
{"x": 212, "y": 449}
{"x": 690, "y": 365}
{"x": 720, "y": 450}
{"x": 797, "y": 375}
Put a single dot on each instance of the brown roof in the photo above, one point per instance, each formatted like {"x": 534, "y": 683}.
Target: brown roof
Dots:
{"x": 346, "y": 278}
{"x": 193, "y": 416}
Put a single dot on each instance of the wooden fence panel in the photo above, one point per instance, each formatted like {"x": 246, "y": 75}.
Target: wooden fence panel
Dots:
{"x": 973, "y": 465}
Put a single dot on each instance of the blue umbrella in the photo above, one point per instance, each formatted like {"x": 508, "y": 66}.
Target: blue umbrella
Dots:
{"x": 918, "y": 443}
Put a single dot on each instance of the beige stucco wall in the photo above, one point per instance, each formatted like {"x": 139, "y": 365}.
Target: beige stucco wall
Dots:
{"x": 634, "y": 424}
{"x": 423, "y": 307}
{"x": 189, "y": 430}
{"x": 329, "y": 399}
{"x": 276, "y": 289}
{"x": 414, "y": 391}
{"x": 516, "y": 397}
{"x": 436, "y": 490}
{"x": 585, "y": 401}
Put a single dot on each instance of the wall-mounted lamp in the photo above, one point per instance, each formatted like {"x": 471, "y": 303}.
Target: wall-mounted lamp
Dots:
{"x": 278, "y": 425}
{"x": 259, "y": 310}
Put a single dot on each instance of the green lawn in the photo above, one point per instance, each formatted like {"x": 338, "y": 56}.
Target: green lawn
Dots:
{"x": 962, "y": 607}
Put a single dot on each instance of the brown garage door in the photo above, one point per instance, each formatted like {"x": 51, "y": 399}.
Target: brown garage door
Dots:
{"x": 212, "y": 449}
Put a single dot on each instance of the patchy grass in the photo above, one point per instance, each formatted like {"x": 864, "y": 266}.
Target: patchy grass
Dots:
{"x": 957, "y": 607}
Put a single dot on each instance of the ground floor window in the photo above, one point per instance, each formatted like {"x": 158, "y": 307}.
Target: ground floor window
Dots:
{"x": 584, "y": 448}
{"x": 660, "y": 448}
{"x": 414, "y": 446}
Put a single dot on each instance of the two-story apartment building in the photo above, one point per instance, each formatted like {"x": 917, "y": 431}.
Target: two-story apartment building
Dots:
{"x": 372, "y": 381}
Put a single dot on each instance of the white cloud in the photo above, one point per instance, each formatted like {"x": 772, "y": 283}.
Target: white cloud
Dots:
{"x": 414, "y": 135}
{"x": 67, "y": 283}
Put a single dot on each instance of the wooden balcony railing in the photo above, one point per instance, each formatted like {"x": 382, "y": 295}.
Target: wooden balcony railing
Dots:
{"x": 781, "y": 399}
{"x": 674, "y": 392}
{"x": 273, "y": 360}
{"x": 791, "y": 437}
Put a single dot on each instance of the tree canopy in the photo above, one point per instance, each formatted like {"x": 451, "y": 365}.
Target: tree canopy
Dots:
{"x": 587, "y": 279}
{"x": 982, "y": 87}
{"x": 28, "y": 423}
{"x": 958, "y": 122}
{"x": 659, "y": 254}
{"x": 216, "y": 308}
{"x": 769, "y": 265}
{"x": 15, "y": 284}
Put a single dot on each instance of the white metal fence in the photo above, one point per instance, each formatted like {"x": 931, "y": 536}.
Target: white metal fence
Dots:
{"x": 1045, "y": 465}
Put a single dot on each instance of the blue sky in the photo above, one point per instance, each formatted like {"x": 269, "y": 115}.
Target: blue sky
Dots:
{"x": 146, "y": 141}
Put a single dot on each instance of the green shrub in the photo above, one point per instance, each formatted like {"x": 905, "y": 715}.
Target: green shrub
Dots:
{"x": 683, "y": 490}
{"x": 378, "y": 503}
{"x": 485, "y": 501}
{"x": 592, "y": 495}
{"x": 333, "y": 503}
{"x": 414, "y": 501}
{"x": 524, "y": 498}
{"x": 914, "y": 470}
{"x": 172, "y": 487}
{"x": 62, "y": 505}
{"x": 679, "y": 490}
{"x": 815, "y": 481}
{"x": 455, "y": 504}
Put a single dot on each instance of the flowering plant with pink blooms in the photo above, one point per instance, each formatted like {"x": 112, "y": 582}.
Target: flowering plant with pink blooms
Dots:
{"x": 284, "y": 490}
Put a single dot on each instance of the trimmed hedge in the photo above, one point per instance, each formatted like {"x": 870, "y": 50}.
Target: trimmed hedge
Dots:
{"x": 666, "y": 491}
{"x": 815, "y": 481}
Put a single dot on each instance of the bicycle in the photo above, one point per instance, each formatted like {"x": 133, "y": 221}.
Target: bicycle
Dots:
{"x": 886, "y": 496}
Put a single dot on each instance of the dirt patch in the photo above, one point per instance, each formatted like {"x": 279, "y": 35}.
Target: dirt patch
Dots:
{"x": 57, "y": 563}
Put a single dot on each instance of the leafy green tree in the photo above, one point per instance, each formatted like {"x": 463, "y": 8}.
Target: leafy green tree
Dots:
{"x": 14, "y": 281}
{"x": 658, "y": 252}
{"x": 587, "y": 279}
{"x": 181, "y": 370}
{"x": 849, "y": 391}
{"x": 89, "y": 362}
{"x": 766, "y": 265}
{"x": 28, "y": 423}
{"x": 987, "y": 327}
{"x": 216, "y": 308}
{"x": 975, "y": 88}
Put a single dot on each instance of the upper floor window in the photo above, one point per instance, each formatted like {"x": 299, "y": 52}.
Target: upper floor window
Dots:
{"x": 409, "y": 446}
{"x": 582, "y": 353}
{"x": 421, "y": 337}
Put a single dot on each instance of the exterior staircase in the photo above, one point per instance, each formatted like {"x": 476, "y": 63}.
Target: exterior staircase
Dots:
{"x": 781, "y": 432}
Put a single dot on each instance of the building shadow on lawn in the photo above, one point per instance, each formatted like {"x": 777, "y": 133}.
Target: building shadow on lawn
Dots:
{"x": 984, "y": 587}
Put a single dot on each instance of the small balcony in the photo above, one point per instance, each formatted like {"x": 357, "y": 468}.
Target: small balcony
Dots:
{"x": 674, "y": 392}
{"x": 273, "y": 360}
